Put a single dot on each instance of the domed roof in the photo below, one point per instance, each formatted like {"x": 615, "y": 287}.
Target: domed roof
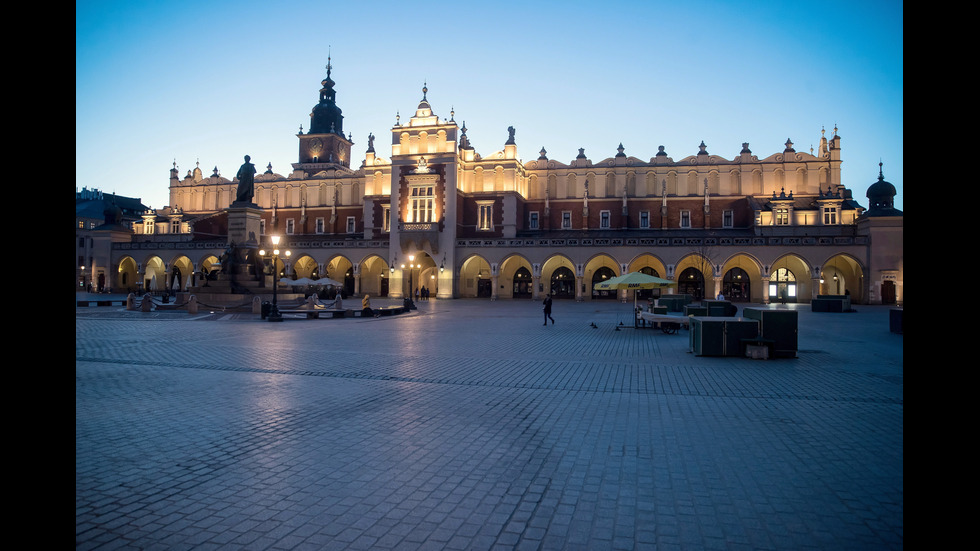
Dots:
{"x": 881, "y": 197}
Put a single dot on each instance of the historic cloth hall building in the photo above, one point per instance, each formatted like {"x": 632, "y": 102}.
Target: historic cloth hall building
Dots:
{"x": 435, "y": 213}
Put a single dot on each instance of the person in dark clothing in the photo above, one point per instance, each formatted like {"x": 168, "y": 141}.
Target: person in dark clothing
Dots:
{"x": 547, "y": 311}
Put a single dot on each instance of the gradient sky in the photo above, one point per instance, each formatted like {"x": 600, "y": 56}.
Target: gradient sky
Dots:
{"x": 209, "y": 82}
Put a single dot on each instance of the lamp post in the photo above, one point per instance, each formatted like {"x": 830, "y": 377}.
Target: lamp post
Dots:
{"x": 410, "y": 300}
{"x": 274, "y": 314}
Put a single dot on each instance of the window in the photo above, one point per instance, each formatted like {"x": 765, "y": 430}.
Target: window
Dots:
{"x": 566, "y": 220}
{"x": 685, "y": 219}
{"x": 351, "y": 224}
{"x": 261, "y": 227}
{"x": 81, "y": 224}
{"x": 319, "y": 225}
{"x": 532, "y": 222}
{"x": 175, "y": 226}
{"x": 830, "y": 215}
{"x": 728, "y": 219}
{"x": 604, "y": 219}
{"x": 645, "y": 219}
{"x": 387, "y": 219}
{"x": 148, "y": 227}
{"x": 290, "y": 226}
{"x": 421, "y": 204}
{"x": 486, "y": 215}
{"x": 782, "y": 216}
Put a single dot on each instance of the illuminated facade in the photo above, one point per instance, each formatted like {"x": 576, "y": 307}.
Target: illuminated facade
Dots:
{"x": 438, "y": 214}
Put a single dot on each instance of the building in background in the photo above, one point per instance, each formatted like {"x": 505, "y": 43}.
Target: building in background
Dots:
{"x": 436, "y": 214}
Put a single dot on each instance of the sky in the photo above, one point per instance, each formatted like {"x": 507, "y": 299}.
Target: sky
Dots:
{"x": 205, "y": 83}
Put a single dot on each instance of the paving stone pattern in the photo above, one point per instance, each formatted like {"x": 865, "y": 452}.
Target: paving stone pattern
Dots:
{"x": 468, "y": 425}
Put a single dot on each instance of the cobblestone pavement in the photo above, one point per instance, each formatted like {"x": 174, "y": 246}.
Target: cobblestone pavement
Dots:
{"x": 468, "y": 425}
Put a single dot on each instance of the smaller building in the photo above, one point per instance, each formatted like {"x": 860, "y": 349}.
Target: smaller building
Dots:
{"x": 95, "y": 210}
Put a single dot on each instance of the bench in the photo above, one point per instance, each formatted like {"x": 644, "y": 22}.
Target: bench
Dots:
{"x": 310, "y": 314}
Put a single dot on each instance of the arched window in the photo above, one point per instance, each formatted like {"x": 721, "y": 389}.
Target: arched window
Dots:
{"x": 782, "y": 286}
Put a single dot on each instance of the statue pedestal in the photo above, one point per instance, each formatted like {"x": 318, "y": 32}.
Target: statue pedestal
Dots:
{"x": 244, "y": 224}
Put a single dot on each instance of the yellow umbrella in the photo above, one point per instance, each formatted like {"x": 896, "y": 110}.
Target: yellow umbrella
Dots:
{"x": 634, "y": 281}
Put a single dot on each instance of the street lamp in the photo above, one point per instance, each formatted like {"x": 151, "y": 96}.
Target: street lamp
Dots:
{"x": 410, "y": 300}
{"x": 274, "y": 314}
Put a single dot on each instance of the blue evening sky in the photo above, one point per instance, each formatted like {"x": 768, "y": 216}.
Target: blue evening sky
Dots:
{"x": 208, "y": 82}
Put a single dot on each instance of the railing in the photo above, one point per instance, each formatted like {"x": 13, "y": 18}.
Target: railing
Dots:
{"x": 420, "y": 226}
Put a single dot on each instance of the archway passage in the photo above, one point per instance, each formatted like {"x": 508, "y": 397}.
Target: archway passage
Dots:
{"x": 736, "y": 286}
{"x": 522, "y": 283}
{"x": 782, "y": 286}
{"x": 563, "y": 283}
{"x": 691, "y": 282}
{"x": 645, "y": 294}
{"x": 604, "y": 273}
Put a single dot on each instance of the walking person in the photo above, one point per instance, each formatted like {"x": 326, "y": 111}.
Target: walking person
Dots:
{"x": 547, "y": 310}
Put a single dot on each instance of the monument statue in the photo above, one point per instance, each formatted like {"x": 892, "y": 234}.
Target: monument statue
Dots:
{"x": 246, "y": 182}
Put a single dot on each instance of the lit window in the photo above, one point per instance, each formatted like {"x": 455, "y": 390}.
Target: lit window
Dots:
{"x": 486, "y": 216}
{"x": 421, "y": 204}
{"x": 782, "y": 217}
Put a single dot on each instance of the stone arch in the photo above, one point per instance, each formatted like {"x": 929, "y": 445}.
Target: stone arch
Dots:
{"x": 154, "y": 274}
{"x": 127, "y": 275}
{"x": 555, "y": 273}
{"x": 741, "y": 278}
{"x": 181, "y": 273}
{"x": 475, "y": 277}
{"x": 789, "y": 278}
{"x": 598, "y": 268}
{"x": 515, "y": 277}
{"x": 842, "y": 274}
{"x": 306, "y": 266}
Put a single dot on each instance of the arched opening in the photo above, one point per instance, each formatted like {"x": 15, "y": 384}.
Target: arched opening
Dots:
{"x": 645, "y": 294}
{"x": 736, "y": 285}
{"x": 522, "y": 283}
{"x": 127, "y": 275}
{"x": 563, "y": 283}
{"x": 601, "y": 274}
{"x": 783, "y": 286}
{"x": 691, "y": 282}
